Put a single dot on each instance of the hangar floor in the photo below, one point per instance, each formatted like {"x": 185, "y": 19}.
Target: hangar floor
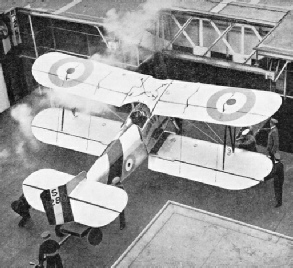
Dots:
{"x": 21, "y": 154}
{"x": 182, "y": 236}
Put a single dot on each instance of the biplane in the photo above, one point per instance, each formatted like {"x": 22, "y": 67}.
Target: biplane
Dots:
{"x": 122, "y": 147}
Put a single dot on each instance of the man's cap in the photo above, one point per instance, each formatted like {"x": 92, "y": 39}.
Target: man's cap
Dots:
{"x": 277, "y": 156}
{"x": 245, "y": 132}
{"x": 274, "y": 121}
{"x": 45, "y": 234}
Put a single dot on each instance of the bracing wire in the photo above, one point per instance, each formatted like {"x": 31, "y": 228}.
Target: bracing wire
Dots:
{"x": 203, "y": 132}
{"x": 116, "y": 114}
{"x": 214, "y": 132}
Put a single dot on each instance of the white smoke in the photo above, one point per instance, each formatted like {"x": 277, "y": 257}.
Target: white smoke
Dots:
{"x": 22, "y": 114}
{"x": 131, "y": 26}
{"x": 84, "y": 105}
{"x": 4, "y": 154}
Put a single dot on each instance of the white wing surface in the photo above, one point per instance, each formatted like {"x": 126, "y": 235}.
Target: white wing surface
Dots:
{"x": 86, "y": 78}
{"x": 202, "y": 161}
{"x": 217, "y": 104}
{"x": 193, "y": 101}
{"x": 80, "y": 132}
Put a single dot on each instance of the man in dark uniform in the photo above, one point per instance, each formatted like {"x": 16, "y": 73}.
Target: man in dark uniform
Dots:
{"x": 273, "y": 139}
{"x": 22, "y": 207}
{"x": 278, "y": 175}
{"x": 246, "y": 141}
{"x": 49, "y": 251}
{"x": 116, "y": 182}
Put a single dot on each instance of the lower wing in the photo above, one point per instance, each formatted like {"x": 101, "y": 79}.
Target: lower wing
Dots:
{"x": 76, "y": 131}
{"x": 92, "y": 203}
{"x": 202, "y": 161}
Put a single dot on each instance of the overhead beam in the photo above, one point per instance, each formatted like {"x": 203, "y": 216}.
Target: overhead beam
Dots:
{"x": 220, "y": 63}
{"x": 215, "y": 16}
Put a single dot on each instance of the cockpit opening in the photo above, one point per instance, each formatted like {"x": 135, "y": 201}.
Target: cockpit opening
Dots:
{"x": 139, "y": 115}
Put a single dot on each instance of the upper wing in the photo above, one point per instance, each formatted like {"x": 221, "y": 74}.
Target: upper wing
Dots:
{"x": 92, "y": 203}
{"x": 217, "y": 104}
{"x": 86, "y": 78}
{"x": 194, "y": 101}
{"x": 80, "y": 132}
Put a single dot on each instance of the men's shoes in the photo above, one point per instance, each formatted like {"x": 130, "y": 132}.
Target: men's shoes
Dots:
{"x": 22, "y": 223}
{"x": 278, "y": 205}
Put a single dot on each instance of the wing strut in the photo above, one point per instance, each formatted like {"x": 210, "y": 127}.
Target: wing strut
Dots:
{"x": 232, "y": 137}
{"x": 62, "y": 118}
{"x": 225, "y": 142}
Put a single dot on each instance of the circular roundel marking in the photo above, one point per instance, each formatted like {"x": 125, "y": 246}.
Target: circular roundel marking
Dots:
{"x": 230, "y": 104}
{"x": 129, "y": 165}
{"x": 81, "y": 69}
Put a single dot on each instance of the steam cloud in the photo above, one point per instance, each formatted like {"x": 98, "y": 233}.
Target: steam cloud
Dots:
{"x": 131, "y": 26}
{"x": 4, "y": 154}
{"x": 22, "y": 114}
{"x": 83, "y": 105}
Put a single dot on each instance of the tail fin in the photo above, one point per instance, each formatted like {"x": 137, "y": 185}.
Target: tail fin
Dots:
{"x": 57, "y": 203}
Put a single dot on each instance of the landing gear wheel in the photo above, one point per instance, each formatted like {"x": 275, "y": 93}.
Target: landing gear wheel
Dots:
{"x": 58, "y": 231}
{"x": 95, "y": 236}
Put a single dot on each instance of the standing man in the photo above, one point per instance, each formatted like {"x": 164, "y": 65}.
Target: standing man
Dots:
{"x": 278, "y": 175}
{"x": 49, "y": 251}
{"x": 273, "y": 139}
{"x": 22, "y": 207}
{"x": 116, "y": 182}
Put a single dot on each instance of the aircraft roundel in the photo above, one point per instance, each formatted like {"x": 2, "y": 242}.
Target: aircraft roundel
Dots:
{"x": 70, "y": 72}
{"x": 129, "y": 165}
{"x": 230, "y": 104}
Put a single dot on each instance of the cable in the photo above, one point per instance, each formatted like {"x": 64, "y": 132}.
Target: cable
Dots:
{"x": 202, "y": 132}
{"x": 214, "y": 132}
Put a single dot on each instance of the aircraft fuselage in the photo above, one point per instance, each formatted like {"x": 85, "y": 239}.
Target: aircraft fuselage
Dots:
{"x": 129, "y": 149}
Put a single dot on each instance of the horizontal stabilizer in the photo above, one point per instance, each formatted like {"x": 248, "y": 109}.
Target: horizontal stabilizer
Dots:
{"x": 92, "y": 203}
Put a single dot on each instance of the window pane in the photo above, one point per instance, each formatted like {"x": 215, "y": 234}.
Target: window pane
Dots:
{"x": 27, "y": 45}
{"x": 71, "y": 41}
{"x": 96, "y": 45}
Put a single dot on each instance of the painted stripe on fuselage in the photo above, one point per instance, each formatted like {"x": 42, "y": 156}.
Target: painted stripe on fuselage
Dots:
{"x": 65, "y": 203}
{"x": 115, "y": 156}
{"x": 111, "y": 163}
